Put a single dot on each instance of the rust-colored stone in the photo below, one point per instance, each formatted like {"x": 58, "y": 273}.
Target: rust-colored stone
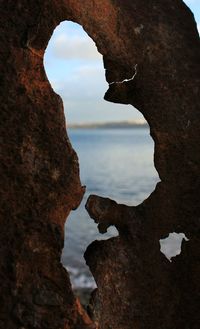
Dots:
{"x": 137, "y": 286}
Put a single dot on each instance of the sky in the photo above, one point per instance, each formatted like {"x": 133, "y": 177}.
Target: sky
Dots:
{"x": 75, "y": 70}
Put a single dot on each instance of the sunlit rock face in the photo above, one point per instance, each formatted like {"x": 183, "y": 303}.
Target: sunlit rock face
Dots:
{"x": 153, "y": 48}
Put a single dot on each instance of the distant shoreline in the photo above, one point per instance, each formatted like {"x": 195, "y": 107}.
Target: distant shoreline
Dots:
{"x": 109, "y": 125}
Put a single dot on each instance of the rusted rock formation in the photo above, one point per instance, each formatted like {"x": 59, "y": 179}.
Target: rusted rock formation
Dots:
{"x": 157, "y": 42}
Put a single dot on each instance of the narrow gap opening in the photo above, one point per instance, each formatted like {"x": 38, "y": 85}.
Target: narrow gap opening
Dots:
{"x": 171, "y": 245}
{"x": 112, "y": 142}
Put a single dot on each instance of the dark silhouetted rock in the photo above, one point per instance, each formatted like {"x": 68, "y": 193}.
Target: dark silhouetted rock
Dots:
{"x": 156, "y": 42}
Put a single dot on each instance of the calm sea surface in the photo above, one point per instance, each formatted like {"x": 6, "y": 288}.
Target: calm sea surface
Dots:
{"x": 115, "y": 163}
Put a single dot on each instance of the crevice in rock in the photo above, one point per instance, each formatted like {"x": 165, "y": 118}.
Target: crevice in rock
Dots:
{"x": 65, "y": 51}
{"x": 126, "y": 80}
{"x": 171, "y": 245}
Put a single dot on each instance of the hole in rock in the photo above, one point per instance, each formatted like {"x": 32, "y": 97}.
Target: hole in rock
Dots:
{"x": 116, "y": 159}
{"x": 171, "y": 246}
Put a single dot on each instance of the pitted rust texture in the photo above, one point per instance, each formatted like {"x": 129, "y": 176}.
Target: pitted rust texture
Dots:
{"x": 137, "y": 286}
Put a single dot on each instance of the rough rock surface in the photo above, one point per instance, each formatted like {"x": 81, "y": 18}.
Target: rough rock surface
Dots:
{"x": 137, "y": 286}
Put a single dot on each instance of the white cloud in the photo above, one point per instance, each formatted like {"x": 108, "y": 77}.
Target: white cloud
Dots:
{"x": 89, "y": 71}
{"x": 84, "y": 82}
{"x": 75, "y": 47}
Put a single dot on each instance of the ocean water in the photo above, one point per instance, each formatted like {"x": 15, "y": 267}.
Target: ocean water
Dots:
{"x": 114, "y": 163}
